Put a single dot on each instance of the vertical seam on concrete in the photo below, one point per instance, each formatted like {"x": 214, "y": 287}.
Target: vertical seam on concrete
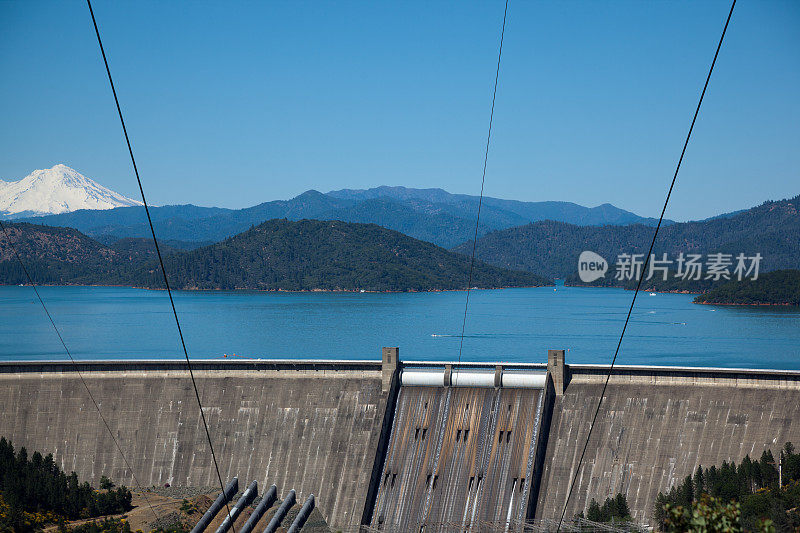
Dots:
{"x": 541, "y": 448}
{"x": 382, "y": 447}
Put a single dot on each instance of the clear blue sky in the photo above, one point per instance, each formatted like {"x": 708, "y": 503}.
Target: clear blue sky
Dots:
{"x": 232, "y": 104}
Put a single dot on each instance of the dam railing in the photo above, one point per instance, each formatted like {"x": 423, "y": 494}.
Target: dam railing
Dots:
{"x": 150, "y": 365}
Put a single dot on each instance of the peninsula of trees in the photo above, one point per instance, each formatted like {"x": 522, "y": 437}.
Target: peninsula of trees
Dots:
{"x": 781, "y": 287}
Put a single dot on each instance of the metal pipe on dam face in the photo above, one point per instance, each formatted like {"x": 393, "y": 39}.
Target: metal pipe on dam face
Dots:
{"x": 422, "y": 378}
{"x": 302, "y": 515}
{"x": 281, "y": 513}
{"x": 473, "y": 378}
{"x": 230, "y": 490}
{"x": 266, "y": 502}
{"x": 524, "y": 380}
{"x": 243, "y": 502}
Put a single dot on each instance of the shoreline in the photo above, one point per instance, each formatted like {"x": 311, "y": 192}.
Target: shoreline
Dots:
{"x": 366, "y": 291}
{"x": 299, "y": 291}
{"x": 659, "y": 291}
{"x": 759, "y": 304}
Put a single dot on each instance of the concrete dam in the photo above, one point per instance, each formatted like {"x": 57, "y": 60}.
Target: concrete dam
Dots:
{"x": 404, "y": 445}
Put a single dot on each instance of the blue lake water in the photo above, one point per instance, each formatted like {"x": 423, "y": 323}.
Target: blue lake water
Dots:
{"x": 502, "y": 325}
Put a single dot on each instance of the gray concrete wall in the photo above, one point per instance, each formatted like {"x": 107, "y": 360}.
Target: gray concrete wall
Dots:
{"x": 311, "y": 426}
{"x": 315, "y": 426}
{"x": 655, "y": 426}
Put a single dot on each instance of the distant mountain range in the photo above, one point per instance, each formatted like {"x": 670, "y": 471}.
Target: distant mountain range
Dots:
{"x": 552, "y": 248}
{"x": 275, "y": 255}
{"x": 56, "y": 190}
{"x": 541, "y": 238}
{"x": 443, "y": 223}
{"x": 495, "y": 212}
{"x": 433, "y": 215}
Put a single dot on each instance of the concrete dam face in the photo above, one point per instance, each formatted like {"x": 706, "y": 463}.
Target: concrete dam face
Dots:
{"x": 310, "y": 426}
{"x": 403, "y": 447}
{"x": 656, "y": 426}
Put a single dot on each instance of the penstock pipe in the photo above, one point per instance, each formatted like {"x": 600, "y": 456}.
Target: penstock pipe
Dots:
{"x": 302, "y": 516}
{"x": 265, "y": 503}
{"x": 230, "y": 489}
{"x": 241, "y": 503}
{"x": 280, "y": 514}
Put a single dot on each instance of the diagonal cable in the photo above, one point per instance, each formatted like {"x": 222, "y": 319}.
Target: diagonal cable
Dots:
{"x": 75, "y": 365}
{"x": 158, "y": 252}
{"x": 646, "y": 262}
{"x": 483, "y": 180}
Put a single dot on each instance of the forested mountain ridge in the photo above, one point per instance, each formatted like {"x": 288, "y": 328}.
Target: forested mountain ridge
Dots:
{"x": 432, "y": 215}
{"x": 552, "y": 248}
{"x": 526, "y": 211}
{"x": 56, "y": 256}
{"x": 34, "y": 243}
{"x": 433, "y": 223}
{"x": 276, "y": 255}
{"x": 329, "y": 255}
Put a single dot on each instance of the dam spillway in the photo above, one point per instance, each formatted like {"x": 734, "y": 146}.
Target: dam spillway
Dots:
{"x": 335, "y": 429}
{"x": 459, "y": 456}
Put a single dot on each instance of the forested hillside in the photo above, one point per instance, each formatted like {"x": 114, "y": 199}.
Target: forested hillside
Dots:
{"x": 57, "y": 256}
{"x": 781, "y": 287}
{"x": 276, "y": 255}
{"x": 552, "y": 248}
{"x": 329, "y": 255}
{"x": 500, "y": 212}
{"x": 427, "y": 222}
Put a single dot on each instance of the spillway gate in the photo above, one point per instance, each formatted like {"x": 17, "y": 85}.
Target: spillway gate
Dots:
{"x": 461, "y": 451}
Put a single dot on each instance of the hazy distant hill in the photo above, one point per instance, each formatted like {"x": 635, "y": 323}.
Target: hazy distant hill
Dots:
{"x": 432, "y": 215}
{"x": 449, "y": 219}
{"x": 503, "y": 213}
{"x": 190, "y": 225}
{"x": 552, "y": 248}
{"x": 427, "y": 222}
{"x": 277, "y": 254}
{"x": 332, "y": 255}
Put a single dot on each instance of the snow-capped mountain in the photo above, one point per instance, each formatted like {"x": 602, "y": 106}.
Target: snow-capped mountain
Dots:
{"x": 56, "y": 190}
